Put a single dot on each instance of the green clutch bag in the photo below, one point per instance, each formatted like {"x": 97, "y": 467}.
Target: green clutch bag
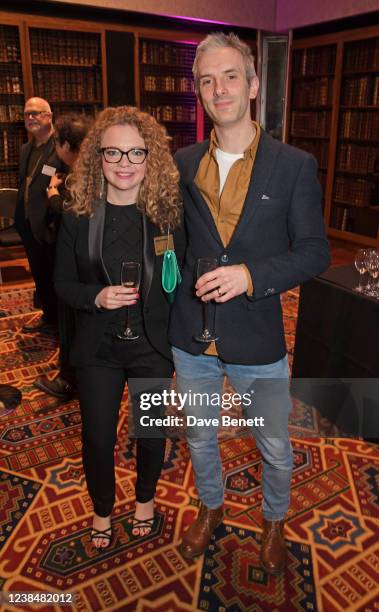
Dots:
{"x": 171, "y": 276}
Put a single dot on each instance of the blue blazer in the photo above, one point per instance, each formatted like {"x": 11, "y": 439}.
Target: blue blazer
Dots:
{"x": 280, "y": 237}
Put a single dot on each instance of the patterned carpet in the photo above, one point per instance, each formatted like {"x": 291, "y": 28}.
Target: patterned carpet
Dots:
{"x": 332, "y": 533}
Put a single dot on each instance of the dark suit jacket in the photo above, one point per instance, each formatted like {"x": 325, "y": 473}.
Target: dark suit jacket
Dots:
{"x": 38, "y": 205}
{"x": 80, "y": 274}
{"x": 280, "y": 237}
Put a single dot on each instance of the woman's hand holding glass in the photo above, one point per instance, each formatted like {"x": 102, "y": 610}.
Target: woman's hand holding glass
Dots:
{"x": 117, "y": 296}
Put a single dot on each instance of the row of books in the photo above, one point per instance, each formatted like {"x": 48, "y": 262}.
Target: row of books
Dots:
{"x": 62, "y": 108}
{"x": 178, "y": 112}
{"x": 310, "y": 123}
{"x": 356, "y": 192}
{"x": 318, "y": 148}
{"x": 317, "y": 60}
{"x": 359, "y": 124}
{"x": 356, "y": 158}
{"x": 11, "y": 140}
{"x": 8, "y": 179}
{"x": 169, "y": 83}
{"x": 11, "y": 112}
{"x": 361, "y": 91}
{"x": 73, "y": 84}
{"x": 362, "y": 55}
{"x": 317, "y": 92}
{"x": 357, "y": 220}
{"x": 341, "y": 219}
{"x": 10, "y": 83}
{"x": 62, "y": 47}
{"x": 9, "y": 44}
{"x": 322, "y": 179}
{"x": 167, "y": 54}
{"x": 182, "y": 139}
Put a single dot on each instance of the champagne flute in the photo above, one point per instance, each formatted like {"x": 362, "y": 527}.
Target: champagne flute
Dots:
{"x": 203, "y": 265}
{"x": 372, "y": 262}
{"x": 360, "y": 264}
{"x": 130, "y": 277}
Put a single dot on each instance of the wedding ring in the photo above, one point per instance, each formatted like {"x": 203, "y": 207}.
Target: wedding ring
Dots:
{"x": 219, "y": 292}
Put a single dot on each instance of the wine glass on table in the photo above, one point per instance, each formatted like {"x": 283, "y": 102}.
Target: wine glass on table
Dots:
{"x": 203, "y": 265}
{"x": 130, "y": 277}
{"x": 360, "y": 264}
{"x": 372, "y": 263}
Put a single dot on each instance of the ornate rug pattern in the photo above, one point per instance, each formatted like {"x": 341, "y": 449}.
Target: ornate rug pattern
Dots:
{"x": 332, "y": 531}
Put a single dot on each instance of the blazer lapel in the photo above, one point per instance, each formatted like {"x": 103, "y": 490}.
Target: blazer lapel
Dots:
{"x": 45, "y": 155}
{"x": 204, "y": 211}
{"x": 25, "y": 158}
{"x": 148, "y": 255}
{"x": 95, "y": 241}
{"x": 191, "y": 165}
{"x": 263, "y": 165}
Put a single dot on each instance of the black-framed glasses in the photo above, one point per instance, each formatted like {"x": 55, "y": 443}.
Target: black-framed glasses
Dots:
{"x": 113, "y": 155}
{"x": 35, "y": 114}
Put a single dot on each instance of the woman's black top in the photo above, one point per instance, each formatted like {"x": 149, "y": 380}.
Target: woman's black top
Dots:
{"x": 122, "y": 241}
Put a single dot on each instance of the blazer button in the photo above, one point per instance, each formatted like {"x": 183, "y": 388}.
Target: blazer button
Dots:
{"x": 146, "y": 310}
{"x": 224, "y": 258}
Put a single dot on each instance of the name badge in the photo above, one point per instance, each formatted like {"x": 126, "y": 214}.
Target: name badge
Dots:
{"x": 48, "y": 170}
{"x": 161, "y": 243}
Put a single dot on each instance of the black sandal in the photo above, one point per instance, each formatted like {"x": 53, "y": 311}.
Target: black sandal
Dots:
{"x": 97, "y": 534}
{"x": 142, "y": 524}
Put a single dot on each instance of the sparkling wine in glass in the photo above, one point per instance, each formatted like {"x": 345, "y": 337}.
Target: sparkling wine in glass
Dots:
{"x": 361, "y": 266}
{"x": 372, "y": 262}
{"x": 130, "y": 277}
{"x": 203, "y": 265}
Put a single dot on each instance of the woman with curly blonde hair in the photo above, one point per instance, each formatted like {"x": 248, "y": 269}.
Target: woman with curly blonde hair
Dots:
{"x": 124, "y": 208}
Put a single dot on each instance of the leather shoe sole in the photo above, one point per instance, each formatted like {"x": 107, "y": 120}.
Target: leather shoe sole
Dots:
{"x": 49, "y": 389}
{"x": 189, "y": 554}
{"x": 273, "y": 572}
{"x": 38, "y": 328}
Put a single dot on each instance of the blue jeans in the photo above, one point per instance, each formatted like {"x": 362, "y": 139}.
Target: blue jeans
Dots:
{"x": 267, "y": 387}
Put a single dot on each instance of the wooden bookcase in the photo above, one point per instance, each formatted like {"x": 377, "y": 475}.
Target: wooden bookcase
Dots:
{"x": 78, "y": 66}
{"x": 12, "y": 98}
{"x": 333, "y": 114}
{"x": 66, "y": 69}
{"x": 166, "y": 87}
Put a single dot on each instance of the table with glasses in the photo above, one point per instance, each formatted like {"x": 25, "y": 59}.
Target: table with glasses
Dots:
{"x": 367, "y": 263}
{"x": 337, "y": 335}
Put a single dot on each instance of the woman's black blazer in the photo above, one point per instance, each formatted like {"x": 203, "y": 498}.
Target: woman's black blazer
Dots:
{"x": 80, "y": 274}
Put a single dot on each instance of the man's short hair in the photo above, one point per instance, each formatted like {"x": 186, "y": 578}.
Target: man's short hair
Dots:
{"x": 219, "y": 40}
{"x": 72, "y": 128}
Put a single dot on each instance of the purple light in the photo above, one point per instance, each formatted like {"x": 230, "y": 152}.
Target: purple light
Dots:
{"x": 182, "y": 18}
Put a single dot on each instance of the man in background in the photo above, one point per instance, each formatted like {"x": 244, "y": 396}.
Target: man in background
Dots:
{"x": 38, "y": 163}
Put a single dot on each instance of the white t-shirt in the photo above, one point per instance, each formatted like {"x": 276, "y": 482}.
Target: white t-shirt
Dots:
{"x": 225, "y": 162}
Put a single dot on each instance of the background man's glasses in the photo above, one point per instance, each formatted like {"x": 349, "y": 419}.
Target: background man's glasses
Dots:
{"x": 112, "y": 155}
{"x": 35, "y": 114}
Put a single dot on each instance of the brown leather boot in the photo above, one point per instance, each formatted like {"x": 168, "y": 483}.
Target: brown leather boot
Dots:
{"x": 197, "y": 537}
{"x": 273, "y": 550}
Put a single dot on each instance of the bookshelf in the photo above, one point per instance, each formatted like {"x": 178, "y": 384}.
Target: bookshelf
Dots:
{"x": 354, "y": 198}
{"x": 313, "y": 72}
{"x": 12, "y": 131}
{"x": 166, "y": 87}
{"x": 334, "y": 114}
{"x": 78, "y": 67}
{"x": 66, "y": 69}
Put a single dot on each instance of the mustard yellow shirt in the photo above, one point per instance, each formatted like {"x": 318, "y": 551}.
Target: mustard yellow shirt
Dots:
{"x": 226, "y": 207}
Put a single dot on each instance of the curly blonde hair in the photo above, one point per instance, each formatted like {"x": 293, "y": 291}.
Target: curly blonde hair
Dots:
{"x": 159, "y": 195}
